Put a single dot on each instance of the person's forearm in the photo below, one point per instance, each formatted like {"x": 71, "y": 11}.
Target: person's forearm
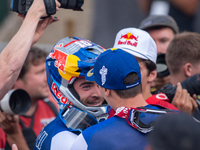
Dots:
{"x": 19, "y": 140}
{"x": 13, "y": 55}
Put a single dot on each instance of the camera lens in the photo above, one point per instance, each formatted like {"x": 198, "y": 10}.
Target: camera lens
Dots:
{"x": 71, "y": 4}
{"x": 16, "y": 102}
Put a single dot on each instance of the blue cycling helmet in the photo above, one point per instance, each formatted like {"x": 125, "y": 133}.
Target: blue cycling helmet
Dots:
{"x": 70, "y": 58}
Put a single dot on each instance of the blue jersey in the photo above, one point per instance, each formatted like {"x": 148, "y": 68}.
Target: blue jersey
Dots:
{"x": 55, "y": 136}
{"x": 114, "y": 133}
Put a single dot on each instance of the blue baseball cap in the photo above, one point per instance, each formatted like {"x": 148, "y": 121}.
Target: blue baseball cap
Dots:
{"x": 111, "y": 68}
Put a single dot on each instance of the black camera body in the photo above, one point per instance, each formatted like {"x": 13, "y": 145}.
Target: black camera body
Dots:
{"x": 191, "y": 84}
{"x": 22, "y": 6}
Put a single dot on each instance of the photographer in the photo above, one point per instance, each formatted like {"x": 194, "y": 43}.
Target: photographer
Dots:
{"x": 12, "y": 58}
{"x": 183, "y": 60}
{"x": 32, "y": 79}
{"x": 13, "y": 55}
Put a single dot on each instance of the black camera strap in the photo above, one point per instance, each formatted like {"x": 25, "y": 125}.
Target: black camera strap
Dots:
{"x": 50, "y": 6}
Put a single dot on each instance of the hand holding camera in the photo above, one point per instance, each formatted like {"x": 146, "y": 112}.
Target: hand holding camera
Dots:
{"x": 184, "y": 97}
{"x": 191, "y": 84}
{"x": 183, "y": 101}
{"x": 9, "y": 123}
{"x": 15, "y": 103}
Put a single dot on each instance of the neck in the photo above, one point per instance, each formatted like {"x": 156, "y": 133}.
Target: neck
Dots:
{"x": 133, "y": 102}
{"x": 32, "y": 109}
{"x": 146, "y": 91}
{"x": 177, "y": 78}
{"x": 146, "y": 94}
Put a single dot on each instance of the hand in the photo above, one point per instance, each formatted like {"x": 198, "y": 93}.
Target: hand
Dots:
{"x": 9, "y": 123}
{"x": 14, "y": 147}
{"x": 42, "y": 26}
{"x": 183, "y": 101}
{"x": 38, "y": 6}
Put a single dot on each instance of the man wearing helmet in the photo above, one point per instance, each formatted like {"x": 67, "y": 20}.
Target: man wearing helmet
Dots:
{"x": 88, "y": 92}
{"x": 80, "y": 102}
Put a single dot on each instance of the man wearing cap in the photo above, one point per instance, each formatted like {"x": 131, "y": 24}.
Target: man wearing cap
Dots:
{"x": 119, "y": 83}
{"x": 162, "y": 29}
{"x": 144, "y": 50}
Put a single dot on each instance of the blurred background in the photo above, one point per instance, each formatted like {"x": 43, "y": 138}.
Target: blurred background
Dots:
{"x": 99, "y": 21}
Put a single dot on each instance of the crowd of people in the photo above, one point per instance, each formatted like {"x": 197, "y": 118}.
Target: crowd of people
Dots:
{"x": 108, "y": 98}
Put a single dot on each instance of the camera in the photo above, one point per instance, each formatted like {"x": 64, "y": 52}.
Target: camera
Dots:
{"x": 16, "y": 101}
{"x": 22, "y": 6}
{"x": 191, "y": 84}
{"x": 161, "y": 66}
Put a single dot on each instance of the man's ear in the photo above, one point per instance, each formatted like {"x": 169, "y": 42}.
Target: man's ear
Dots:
{"x": 188, "y": 69}
{"x": 18, "y": 84}
{"x": 107, "y": 92}
{"x": 152, "y": 76}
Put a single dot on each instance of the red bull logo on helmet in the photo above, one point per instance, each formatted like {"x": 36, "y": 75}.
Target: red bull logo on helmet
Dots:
{"x": 67, "y": 64}
{"x": 60, "y": 57}
{"x": 128, "y": 39}
{"x": 58, "y": 95}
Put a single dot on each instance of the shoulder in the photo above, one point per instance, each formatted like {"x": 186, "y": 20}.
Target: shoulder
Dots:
{"x": 47, "y": 106}
{"x": 63, "y": 140}
{"x": 102, "y": 124}
{"x": 102, "y": 128}
{"x": 55, "y": 136}
{"x": 152, "y": 106}
{"x": 79, "y": 143}
{"x": 113, "y": 133}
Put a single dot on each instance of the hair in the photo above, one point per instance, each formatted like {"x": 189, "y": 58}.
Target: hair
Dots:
{"x": 150, "y": 65}
{"x": 132, "y": 92}
{"x": 35, "y": 56}
{"x": 184, "y": 48}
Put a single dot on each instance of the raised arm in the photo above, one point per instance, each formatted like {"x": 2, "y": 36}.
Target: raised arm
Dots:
{"x": 14, "y": 54}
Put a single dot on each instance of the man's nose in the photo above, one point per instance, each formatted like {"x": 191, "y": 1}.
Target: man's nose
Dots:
{"x": 96, "y": 91}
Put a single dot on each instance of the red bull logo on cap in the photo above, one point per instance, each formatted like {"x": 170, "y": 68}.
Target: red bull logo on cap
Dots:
{"x": 128, "y": 39}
